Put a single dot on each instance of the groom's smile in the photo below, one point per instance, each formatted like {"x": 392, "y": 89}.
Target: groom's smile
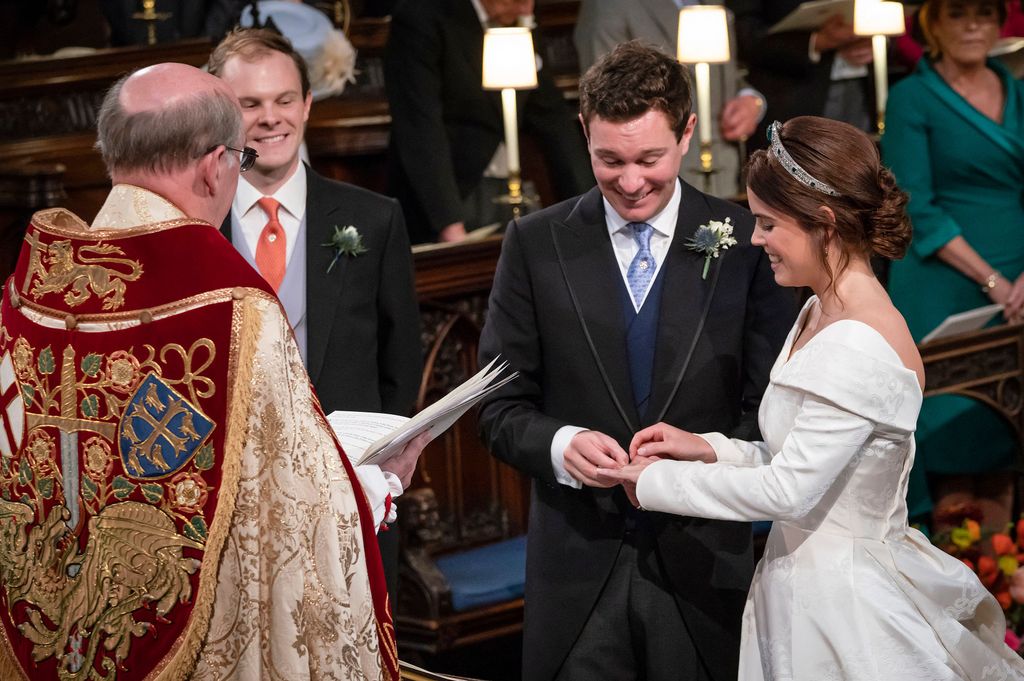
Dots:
{"x": 636, "y": 162}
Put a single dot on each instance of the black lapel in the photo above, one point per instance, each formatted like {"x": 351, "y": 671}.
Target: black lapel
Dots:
{"x": 323, "y": 289}
{"x": 685, "y": 300}
{"x": 225, "y": 227}
{"x": 592, "y": 277}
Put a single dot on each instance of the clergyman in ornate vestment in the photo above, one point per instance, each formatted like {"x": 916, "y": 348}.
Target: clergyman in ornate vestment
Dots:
{"x": 172, "y": 502}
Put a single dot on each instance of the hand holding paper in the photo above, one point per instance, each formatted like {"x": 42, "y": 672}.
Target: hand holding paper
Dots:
{"x": 374, "y": 438}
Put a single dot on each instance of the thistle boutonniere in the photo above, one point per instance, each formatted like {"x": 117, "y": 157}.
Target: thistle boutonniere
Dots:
{"x": 710, "y": 240}
{"x": 345, "y": 241}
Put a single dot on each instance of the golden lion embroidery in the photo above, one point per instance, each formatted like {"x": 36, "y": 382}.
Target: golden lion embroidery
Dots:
{"x": 58, "y": 270}
{"x": 133, "y": 560}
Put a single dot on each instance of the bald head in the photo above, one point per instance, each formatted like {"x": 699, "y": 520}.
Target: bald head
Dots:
{"x": 166, "y": 128}
{"x": 164, "y": 117}
{"x": 167, "y": 85}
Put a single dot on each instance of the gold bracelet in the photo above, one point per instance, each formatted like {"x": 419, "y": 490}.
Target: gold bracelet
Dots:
{"x": 990, "y": 283}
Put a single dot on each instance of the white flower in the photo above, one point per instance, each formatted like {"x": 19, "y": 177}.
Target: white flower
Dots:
{"x": 710, "y": 240}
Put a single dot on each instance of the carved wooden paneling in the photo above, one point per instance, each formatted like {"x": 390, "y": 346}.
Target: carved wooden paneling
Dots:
{"x": 479, "y": 499}
{"x": 987, "y": 365}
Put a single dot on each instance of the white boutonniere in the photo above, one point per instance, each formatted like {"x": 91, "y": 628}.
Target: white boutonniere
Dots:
{"x": 345, "y": 241}
{"x": 710, "y": 240}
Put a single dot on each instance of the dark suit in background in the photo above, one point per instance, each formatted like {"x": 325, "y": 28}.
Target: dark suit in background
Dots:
{"x": 445, "y": 128}
{"x": 363, "y": 331}
{"x": 780, "y": 66}
{"x": 553, "y": 314}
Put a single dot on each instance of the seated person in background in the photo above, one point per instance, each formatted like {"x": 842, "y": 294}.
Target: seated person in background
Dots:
{"x": 801, "y": 73}
{"x": 354, "y": 311}
{"x": 955, "y": 141}
{"x": 846, "y": 589}
{"x": 447, "y": 152}
{"x": 603, "y": 24}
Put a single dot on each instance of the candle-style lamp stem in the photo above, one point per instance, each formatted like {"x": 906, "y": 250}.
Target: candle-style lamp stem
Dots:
{"x": 704, "y": 40}
{"x": 879, "y": 19}
{"x": 510, "y": 64}
{"x": 879, "y": 54}
{"x": 704, "y": 121}
{"x": 515, "y": 184}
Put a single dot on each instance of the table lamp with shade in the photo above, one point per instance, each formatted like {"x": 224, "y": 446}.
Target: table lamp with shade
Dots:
{"x": 703, "y": 40}
{"x": 879, "y": 19}
{"x": 509, "y": 65}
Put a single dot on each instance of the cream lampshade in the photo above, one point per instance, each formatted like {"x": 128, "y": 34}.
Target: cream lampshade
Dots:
{"x": 879, "y": 19}
{"x": 509, "y": 65}
{"x": 703, "y": 40}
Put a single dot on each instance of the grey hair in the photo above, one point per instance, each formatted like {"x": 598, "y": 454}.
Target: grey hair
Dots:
{"x": 166, "y": 139}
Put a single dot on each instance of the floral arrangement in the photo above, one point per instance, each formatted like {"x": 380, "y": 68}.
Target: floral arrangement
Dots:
{"x": 711, "y": 239}
{"x": 997, "y": 559}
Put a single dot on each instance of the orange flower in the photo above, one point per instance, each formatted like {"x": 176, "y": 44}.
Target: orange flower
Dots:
{"x": 1004, "y": 599}
{"x": 988, "y": 570}
{"x": 973, "y": 529}
{"x": 1003, "y": 545}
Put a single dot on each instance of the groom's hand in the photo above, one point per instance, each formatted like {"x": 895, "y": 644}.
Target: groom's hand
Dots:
{"x": 589, "y": 450}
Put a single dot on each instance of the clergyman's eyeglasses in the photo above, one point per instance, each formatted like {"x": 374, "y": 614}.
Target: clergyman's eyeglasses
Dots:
{"x": 246, "y": 160}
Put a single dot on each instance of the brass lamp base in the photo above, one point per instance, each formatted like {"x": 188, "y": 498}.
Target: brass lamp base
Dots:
{"x": 520, "y": 202}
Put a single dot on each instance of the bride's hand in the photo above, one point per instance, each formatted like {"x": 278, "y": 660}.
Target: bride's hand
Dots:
{"x": 663, "y": 440}
{"x": 628, "y": 475}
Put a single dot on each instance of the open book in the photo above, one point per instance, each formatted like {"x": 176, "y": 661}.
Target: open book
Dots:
{"x": 370, "y": 438}
{"x": 810, "y": 16}
{"x": 963, "y": 322}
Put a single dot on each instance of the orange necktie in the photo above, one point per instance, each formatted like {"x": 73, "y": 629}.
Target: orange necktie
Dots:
{"x": 270, "y": 250}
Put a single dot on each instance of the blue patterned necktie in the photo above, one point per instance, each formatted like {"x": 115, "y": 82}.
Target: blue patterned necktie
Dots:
{"x": 641, "y": 270}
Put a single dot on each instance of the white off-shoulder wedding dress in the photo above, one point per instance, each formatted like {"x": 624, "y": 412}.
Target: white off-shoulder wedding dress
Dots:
{"x": 846, "y": 589}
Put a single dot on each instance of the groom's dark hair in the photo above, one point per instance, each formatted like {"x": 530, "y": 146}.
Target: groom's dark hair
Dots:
{"x": 631, "y": 80}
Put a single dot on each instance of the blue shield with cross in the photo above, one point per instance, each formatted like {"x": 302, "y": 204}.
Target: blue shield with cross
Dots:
{"x": 160, "y": 431}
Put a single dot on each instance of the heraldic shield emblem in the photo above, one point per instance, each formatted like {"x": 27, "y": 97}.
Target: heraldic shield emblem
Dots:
{"x": 160, "y": 431}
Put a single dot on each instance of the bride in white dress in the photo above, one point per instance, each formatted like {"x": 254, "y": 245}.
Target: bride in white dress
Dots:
{"x": 846, "y": 590}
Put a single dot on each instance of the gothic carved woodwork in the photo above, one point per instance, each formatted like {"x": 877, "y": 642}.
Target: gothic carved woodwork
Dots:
{"x": 986, "y": 365}
{"x": 461, "y": 497}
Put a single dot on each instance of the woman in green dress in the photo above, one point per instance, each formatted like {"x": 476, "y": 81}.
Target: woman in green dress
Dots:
{"x": 955, "y": 141}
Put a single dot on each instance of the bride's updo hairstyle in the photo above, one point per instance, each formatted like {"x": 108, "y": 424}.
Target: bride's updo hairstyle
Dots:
{"x": 815, "y": 162}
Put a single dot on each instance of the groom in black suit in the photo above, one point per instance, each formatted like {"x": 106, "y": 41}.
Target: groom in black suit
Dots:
{"x": 352, "y": 305}
{"x": 603, "y": 306}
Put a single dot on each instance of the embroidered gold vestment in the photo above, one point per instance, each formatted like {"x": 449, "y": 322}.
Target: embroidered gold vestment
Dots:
{"x": 172, "y": 502}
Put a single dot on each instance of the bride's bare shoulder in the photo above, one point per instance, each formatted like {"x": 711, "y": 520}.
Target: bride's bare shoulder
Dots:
{"x": 887, "y": 321}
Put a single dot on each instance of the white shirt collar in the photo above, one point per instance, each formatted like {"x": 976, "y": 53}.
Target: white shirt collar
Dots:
{"x": 129, "y": 206}
{"x": 291, "y": 195}
{"x": 664, "y": 223}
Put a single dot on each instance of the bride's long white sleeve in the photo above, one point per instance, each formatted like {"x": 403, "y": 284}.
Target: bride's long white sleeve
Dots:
{"x": 821, "y": 444}
{"x": 737, "y": 452}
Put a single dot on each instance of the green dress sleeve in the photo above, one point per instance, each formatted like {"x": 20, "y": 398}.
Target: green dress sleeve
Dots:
{"x": 905, "y": 148}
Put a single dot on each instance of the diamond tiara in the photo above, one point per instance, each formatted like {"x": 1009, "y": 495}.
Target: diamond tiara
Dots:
{"x": 791, "y": 166}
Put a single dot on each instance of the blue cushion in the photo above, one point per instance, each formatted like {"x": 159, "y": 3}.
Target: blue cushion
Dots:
{"x": 486, "y": 575}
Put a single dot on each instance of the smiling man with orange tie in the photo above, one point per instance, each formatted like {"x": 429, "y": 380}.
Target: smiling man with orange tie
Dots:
{"x": 324, "y": 247}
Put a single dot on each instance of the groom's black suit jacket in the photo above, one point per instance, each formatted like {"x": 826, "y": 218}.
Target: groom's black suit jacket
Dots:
{"x": 555, "y": 314}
